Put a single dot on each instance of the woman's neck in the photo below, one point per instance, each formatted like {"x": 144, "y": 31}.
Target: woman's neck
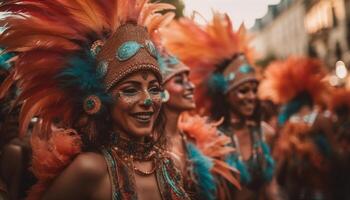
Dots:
{"x": 127, "y": 136}
{"x": 171, "y": 126}
{"x": 237, "y": 121}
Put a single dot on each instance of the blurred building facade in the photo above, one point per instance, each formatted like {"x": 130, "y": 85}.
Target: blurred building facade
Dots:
{"x": 318, "y": 28}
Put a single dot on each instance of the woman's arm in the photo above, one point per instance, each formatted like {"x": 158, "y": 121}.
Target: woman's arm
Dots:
{"x": 80, "y": 179}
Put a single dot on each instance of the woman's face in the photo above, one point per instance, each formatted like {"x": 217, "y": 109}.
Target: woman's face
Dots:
{"x": 180, "y": 90}
{"x": 137, "y": 104}
{"x": 243, "y": 99}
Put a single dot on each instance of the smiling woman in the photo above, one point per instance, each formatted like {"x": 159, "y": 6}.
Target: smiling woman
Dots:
{"x": 226, "y": 88}
{"x": 88, "y": 70}
{"x": 137, "y": 104}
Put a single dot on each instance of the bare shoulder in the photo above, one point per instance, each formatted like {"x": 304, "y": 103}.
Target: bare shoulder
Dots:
{"x": 90, "y": 165}
{"x": 80, "y": 179}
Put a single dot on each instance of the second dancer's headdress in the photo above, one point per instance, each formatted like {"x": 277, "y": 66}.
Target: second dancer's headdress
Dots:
{"x": 219, "y": 57}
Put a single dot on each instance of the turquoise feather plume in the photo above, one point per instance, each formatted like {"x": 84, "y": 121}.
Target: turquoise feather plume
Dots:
{"x": 270, "y": 162}
{"x": 4, "y": 60}
{"x": 82, "y": 77}
{"x": 217, "y": 83}
{"x": 202, "y": 169}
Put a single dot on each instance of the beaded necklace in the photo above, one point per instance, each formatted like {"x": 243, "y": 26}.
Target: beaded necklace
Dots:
{"x": 120, "y": 158}
{"x": 259, "y": 167}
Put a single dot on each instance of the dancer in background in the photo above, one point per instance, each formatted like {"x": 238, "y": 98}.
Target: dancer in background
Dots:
{"x": 193, "y": 141}
{"x": 304, "y": 149}
{"x": 88, "y": 70}
{"x": 226, "y": 87}
{"x": 15, "y": 152}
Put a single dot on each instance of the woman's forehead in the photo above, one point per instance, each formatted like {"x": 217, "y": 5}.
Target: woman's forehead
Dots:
{"x": 140, "y": 76}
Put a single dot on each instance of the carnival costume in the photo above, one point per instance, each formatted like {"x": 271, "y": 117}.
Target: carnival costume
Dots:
{"x": 219, "y": 60}
{"x": 303, "y": 150}
{"x": 202, "y": 143}
{"x": 70, "y": 53}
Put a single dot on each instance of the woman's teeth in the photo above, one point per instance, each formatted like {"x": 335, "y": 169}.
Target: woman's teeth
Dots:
{"x": 188, "y": 96}
{"x": 143, "y": 116}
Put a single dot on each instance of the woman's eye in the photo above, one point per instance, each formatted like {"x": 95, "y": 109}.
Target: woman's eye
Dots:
{"x": 155, "y": 90}
{"x": 130, "y": 91}
{"x": 179, "y": 81}
{"x": 243, "y": 91}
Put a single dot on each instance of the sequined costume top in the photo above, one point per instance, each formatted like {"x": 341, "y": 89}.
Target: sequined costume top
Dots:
{"x": 123, "y": 178}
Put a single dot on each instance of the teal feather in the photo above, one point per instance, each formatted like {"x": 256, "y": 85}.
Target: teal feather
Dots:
{"x": 217, "y": 83}
{"x": 83, "y": 79}
{"x": 202, "y": 166}
{"x": 4, "y": 60}
{"x": 270, "y": 163}
{"x": 235, "y": 162}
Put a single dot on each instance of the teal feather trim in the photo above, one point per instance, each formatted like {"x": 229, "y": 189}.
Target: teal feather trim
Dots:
{"x": 217, "y": 83}
{"x": 269, "y": 169}
{"x": 82, "y": 77}
{"x": 235, "y": 162}
{"x": 4, "y": 60}
{"x": 202, "y": 166}
{"x": 245, "y": 177}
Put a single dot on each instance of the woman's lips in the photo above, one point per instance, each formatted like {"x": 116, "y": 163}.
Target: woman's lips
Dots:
{"x": 143, "y": 117}
{"x": 189, "y": 96}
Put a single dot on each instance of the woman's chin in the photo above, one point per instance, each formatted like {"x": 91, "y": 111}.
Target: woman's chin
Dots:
{"x": 141, "y": 132}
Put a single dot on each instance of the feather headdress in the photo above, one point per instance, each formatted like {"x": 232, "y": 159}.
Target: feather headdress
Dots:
{"x": 284, "y": 80}
{"x": 295, "y": 82}
{"x": 62, "y": 47}
{"x": 213, "y": 145}
{"x": 206, "y": 50}
{"x": 56, "y": 67}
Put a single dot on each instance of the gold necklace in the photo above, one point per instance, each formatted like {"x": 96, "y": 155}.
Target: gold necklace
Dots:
{"x": 145, "y": 173}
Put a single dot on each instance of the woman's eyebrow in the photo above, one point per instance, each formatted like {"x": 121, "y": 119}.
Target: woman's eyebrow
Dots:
{"x": 153, "y": 81}
{"x": 130, "y": 82}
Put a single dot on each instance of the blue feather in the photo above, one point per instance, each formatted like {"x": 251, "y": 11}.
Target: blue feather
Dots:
{"x": 270, "y": 163}
{"x": 202, "y": 170}
{"x": 235, "y": 162}
{"x": 217, "y": 83}
{"x": 4, "y": 60}
{"x": 82, "y": 77}
{"x": 294, "y": 106}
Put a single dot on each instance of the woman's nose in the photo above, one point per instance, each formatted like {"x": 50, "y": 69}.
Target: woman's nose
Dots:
{"x": 252, "y": 95}
{"x": 146, "y": 99}
{"x": 190, "y": 86}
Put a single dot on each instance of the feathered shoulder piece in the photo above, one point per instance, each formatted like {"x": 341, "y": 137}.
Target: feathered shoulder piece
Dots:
{"x": 206, "y": 49}
{"x": 286, "y": 80}
{"x": 65, "y": 49}
{"x": 50, "y": 157}
{"x": 210, "y": 142}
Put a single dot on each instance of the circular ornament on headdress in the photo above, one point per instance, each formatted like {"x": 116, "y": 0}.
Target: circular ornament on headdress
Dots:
{"x": 231, "y": 76}
{"x": 245, "y": 69}
{"x": 96, "y": 47}
{"x": 102, "y": 68}
{"x": 151, "y": 48}
{"x": 127, "y": 50}
{"x": 92, "y": 104}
